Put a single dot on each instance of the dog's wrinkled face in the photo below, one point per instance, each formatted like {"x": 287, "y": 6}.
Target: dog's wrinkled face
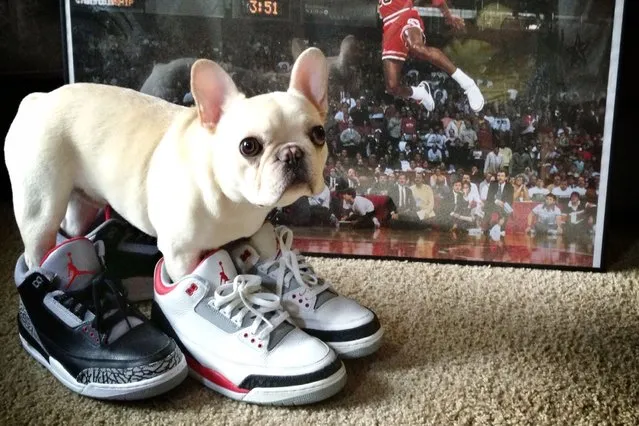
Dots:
{"x": 270, "y": 149}
{"x": 273, "y": 149}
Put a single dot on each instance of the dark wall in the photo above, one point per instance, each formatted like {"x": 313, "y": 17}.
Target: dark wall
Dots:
{"x": 43, "y": 71}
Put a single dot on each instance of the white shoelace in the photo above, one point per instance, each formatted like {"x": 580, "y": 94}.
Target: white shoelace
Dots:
{"x": 293, "y": 265}
{"x": 245, "y": 293}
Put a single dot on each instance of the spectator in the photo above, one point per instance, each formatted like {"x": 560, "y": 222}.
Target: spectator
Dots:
{"x": 424, "y": 200}
{"x": 545, "y": 218}
{"x": 494, "y": 161}
{"x": 359, "y": 210}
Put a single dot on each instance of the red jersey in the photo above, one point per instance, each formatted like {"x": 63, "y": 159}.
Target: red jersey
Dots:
{"x": 409, "y": 125}
{"x": 388, "y": 9}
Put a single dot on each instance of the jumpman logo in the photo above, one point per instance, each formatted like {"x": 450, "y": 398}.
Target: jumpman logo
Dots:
{"x": 73, "y": 272}
{"x": 223, "y": 278}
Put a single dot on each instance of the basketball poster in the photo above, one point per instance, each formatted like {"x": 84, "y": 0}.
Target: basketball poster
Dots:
{"x": 458, "y": 130}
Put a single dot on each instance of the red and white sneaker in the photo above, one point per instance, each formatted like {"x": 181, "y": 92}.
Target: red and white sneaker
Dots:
{"x": 351, "y": 329}
{"x": 239, "y": 341}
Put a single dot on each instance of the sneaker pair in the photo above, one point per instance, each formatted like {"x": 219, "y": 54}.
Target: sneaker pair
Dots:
{"x": 133, "y": 256}
{"x": 272, "y": 334}
{"x": 473, "y": 93}
{"x": 319, "y": 325}
{"x": 74, "y": 319}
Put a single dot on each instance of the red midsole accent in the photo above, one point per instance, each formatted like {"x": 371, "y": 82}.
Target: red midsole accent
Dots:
{"x": 213, "y": 376}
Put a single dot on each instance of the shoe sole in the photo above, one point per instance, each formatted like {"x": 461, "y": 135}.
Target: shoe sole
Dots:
{"x": 358, "y": 348}
{"x": 128, "y": 391}
{"x": 300, "y": 394}
{"x": 307, "y": 393}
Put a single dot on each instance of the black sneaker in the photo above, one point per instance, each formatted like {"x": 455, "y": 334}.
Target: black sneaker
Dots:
{"x": 130, "y": 254}
{"x": 74, "y": 319}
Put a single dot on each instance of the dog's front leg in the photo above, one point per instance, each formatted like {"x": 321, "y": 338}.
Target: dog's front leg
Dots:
{"x": 179, "y": 262}
{"x": 81, "y": 211}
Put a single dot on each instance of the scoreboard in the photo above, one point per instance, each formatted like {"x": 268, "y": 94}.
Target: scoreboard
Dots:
{"x": 322, "y": 12}
{"x": 278, "y": 10}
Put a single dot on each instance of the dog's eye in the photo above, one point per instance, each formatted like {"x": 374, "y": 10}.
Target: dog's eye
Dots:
{"x": 250, "y": 147}
{"x": 318, "y": 135}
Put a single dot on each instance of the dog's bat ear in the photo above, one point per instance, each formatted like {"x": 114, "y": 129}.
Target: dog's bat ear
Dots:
{"x": 211, "y": 88}
{"x": 310, "y": 77}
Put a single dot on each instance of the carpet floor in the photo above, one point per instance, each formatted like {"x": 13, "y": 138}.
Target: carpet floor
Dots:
{"x": 464, "y": 345}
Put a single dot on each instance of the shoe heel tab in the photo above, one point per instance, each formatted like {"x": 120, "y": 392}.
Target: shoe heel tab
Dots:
{"x": 39, "y": 280}
{"x": 162, "y": 283}
{"x": 21, "y": 270}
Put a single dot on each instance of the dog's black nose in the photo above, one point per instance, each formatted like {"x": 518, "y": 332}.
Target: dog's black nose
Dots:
{"x": 290, "y": 154}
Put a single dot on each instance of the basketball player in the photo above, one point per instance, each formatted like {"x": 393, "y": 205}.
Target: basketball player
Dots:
{"x": 403, "y": 37}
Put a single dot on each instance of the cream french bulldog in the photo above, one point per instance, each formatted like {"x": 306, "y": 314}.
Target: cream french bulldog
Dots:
{"x": 196, "y": 178}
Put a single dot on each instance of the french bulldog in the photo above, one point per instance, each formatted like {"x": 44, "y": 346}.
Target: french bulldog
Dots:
{"x": 194, "y": 177}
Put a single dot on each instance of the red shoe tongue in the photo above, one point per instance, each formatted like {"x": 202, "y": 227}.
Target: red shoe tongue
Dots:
{"x": 74, "y": 261}
{"x": 217, "y": 268}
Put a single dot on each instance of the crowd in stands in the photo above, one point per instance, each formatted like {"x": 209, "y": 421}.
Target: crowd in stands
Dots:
{"x": 393, "y": 164}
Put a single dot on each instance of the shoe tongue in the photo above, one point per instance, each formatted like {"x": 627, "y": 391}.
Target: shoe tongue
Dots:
{"x": 75, "y": 262}
{"x": 261, "y": 247}
{"x": 217, "y": 268}
{"x": 264, "y": 241}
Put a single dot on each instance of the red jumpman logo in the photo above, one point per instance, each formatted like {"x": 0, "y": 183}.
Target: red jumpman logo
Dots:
{"x": 73, "y": 272}
{"x": 223, "y": 277}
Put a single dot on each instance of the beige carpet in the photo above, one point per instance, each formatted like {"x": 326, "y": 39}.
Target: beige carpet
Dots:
{"x": 464, "y": 346}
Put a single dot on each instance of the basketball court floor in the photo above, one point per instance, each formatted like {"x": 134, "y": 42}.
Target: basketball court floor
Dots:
{"x": 439, "y": 245}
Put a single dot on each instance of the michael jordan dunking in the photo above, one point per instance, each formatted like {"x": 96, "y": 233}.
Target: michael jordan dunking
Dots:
{"x": 403, "y": 37}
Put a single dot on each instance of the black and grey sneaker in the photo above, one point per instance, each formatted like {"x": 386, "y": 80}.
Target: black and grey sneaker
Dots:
{"x": 74, "y": 319}
{"x": 130, "y": 254}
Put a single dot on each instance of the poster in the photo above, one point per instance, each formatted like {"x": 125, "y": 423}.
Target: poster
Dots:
{"x": 463, "y": 130}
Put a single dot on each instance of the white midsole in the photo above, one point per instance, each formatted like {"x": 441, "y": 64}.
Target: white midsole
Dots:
{"x": 103, "y": 390}
{"x": 344, "y": 348}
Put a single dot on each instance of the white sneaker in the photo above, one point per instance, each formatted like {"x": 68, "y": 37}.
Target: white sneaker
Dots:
{"x": 239, "y": 341}
{"x": 427, "y": 98}
{"x": 352, "y": 330}
{"x": 475, "y": 98}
